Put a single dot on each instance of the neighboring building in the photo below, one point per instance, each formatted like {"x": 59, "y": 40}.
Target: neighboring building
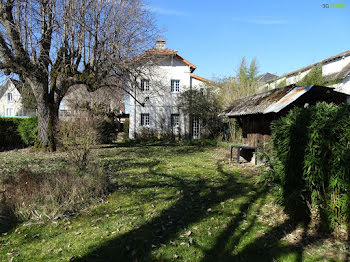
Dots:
{"x": 255, "y": 113}
{"x": 155, "y": 108}
{"x": 79, "y": 100}
{"x": 267, "y": 77}
{"x": 11, "y": 100}
{"x": 335, "y": 71}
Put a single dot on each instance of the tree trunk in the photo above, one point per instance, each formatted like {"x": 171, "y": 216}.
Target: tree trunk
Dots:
{"x": 43, "y": 117}
{"x": 47, "y": 115}
{"x": 52, "y": 123}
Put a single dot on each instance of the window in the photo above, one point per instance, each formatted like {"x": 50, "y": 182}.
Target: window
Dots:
{"x": 146, "y": 99}
{"x": 175, "y": 86}
{"x": 175, "y": 120}
{"x": 144, "y": 119}
{"x": 9, "y": 97}
{"x": 144, "y": 85}
{"x": 9, "y": 112}
{"x": 196, "y": 127}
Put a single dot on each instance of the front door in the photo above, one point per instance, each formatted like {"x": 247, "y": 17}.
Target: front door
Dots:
{"x": 196, "y": 127}
{"x": 10, "y": 112}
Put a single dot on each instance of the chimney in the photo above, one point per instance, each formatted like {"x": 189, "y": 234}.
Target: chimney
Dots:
{"x": 160, "y": 43}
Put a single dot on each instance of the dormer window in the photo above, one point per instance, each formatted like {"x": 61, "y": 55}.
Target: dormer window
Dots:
{"x": 9, "y": 97}
{"x": 144, "y": 85}
{"x": 175, "y": 86}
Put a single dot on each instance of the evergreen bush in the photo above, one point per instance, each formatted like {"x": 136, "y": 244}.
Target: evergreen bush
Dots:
{"x": 10, "y": 137}
{"x": 17, "y": 132}
{"x": 28, "y": 130}
{"x": 311, "y": 156}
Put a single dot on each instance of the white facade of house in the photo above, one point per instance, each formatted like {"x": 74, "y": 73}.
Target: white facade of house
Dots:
{"x": 10, "y": 100}
{"x": 160, "y": 113}
{"x": 337, "y": 67}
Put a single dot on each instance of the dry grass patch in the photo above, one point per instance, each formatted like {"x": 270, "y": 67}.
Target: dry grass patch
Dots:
{"x": 42, "y": 196}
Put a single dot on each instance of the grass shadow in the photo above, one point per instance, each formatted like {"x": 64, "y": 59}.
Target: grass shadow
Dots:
{"x": 8, "y": 219}
{"x": 191, "y": 207}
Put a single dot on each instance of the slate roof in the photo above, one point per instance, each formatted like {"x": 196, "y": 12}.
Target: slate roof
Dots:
{"x": 266, "y": 77}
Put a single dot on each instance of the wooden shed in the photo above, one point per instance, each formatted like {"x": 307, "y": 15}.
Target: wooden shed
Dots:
{"x": 255, "y": 113}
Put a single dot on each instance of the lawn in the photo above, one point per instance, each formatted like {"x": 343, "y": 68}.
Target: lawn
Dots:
{"x": 171, "y": 203}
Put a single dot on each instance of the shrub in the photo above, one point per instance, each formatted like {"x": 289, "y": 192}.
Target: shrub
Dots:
{"x": 18, "y": 132}
{"x": 126, "y": 126}
{"x": 314, "y": 77}
{"x": 311, "y": 161}
{"x": 45, "y": 196}
{"x": 148, "y": 134}
{"x": 77, "y": 138}
{"x": 28, "y": 130}
{"x": 106, "y": 129}
{"x": 10, "y": 137}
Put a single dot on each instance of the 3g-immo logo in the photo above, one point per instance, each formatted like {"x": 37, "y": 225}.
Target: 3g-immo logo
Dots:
{"x": 333, "y": 5}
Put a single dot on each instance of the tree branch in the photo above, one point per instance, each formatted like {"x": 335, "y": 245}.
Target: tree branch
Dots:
{"x": 8, "y": 22}
{"x": 46, "y": 32}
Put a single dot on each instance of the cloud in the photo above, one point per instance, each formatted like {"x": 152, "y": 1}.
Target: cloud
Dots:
{"x": 262, "y": 20}
{"x": 166, "y": 11}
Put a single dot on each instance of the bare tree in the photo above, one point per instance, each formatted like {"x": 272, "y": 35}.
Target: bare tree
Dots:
{"x": 54, "y": 44}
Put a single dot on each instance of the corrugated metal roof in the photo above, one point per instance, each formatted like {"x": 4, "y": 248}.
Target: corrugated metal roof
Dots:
{"x": 289, "y": 98}
{"x": 256, "y": 104}
{"x": 272, "y": 101}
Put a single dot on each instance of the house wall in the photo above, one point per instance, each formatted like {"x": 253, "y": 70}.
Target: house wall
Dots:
{"x": 16, "y": 103}
{"x": 335, "y": 65}
{"x": 161, "y": 101}
{"x": 197, "y": 84}
{"x": 343, "y": 86}
{"x": 329, "y": 68}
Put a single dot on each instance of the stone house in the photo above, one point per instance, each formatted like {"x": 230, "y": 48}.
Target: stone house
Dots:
{"x": 153, "y": 102}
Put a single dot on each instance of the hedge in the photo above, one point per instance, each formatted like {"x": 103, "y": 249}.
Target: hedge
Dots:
{"x": 311, "y": 169}
{"x": 17, "y": 132}
{"x": 28, "y": 130}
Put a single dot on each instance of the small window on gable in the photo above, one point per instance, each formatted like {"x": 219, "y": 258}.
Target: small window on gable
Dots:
{"x": 9, "y": 97}
{"x": 175, "y": 86}
{"x": 144, "y": 85}
{"x": 175, "y": 120}
{"x": 144, "y": 119}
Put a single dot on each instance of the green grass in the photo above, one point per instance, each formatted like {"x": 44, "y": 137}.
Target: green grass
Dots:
{"x": 172, "y": 203}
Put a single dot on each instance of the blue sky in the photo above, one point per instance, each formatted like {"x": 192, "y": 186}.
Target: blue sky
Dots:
{"x": 283, "y": 35}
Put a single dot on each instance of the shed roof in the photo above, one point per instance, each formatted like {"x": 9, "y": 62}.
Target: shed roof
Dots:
{"x": 272, "y": 101}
